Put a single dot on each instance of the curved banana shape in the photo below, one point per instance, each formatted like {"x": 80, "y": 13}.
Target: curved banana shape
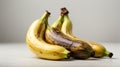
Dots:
{"x": 80, "y": 50}
{"x": 99, "y": 50}
{"x": 36, "y": 43}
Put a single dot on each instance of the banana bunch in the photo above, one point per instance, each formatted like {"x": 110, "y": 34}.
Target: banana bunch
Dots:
{"x": 56, "y": 42}
{"x": 65, "y": 25}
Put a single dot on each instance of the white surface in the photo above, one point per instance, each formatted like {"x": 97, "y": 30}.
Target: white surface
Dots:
{"x": 18, "y": 55}
{"x": 97, "y": 20}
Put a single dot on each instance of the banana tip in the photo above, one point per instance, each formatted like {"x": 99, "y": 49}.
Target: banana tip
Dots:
{"x": 48, "y": 12}
{"x": 64, "y": 11}
{"x": 110, "y": 55}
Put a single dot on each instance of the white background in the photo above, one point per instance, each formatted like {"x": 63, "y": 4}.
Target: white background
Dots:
{"x": 96, "y": 20}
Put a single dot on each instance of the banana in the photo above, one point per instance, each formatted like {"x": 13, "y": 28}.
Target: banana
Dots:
{"x": 100, "y": 50}
{"x": 79, "y": 50}
{"x": 37, "y": 44}
{"x": 66, "y": 28}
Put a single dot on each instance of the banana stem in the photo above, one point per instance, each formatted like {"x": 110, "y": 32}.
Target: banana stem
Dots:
{"x": 66, "y": 16}
{"x": 46, "y": 15}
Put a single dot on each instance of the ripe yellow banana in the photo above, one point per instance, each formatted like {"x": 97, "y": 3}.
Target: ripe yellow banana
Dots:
{"x": 80, "y": 50}
{"x": 36, "y": 43}
{"x": 66, "y": 28}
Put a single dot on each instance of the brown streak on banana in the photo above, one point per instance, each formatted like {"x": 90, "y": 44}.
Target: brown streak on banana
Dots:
{"x": 80, "y": 50}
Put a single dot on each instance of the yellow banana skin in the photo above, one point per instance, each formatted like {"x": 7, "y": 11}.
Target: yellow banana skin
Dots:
{"x": 37, "y": 44}
{"x": 100, "y": 50}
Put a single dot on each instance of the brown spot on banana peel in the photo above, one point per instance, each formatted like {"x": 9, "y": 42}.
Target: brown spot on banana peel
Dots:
{"x": 56, "y": 37}
{"x": 81, "y": 50}
{"x": 78, "y": 49}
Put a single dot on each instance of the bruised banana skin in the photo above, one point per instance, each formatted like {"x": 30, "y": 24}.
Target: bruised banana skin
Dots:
{"x": 36, "y": 43}
{"x": 100, "y": 50}
{"x": 79, "y": 50}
